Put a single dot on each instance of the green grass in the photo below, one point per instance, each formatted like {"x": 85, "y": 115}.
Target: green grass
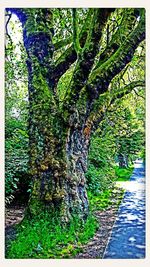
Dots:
{"x": 123, "y": 174}
{"x": 45, "y": 238}
{"x": 48, "y": 239}
{"x": 107, "y": 198}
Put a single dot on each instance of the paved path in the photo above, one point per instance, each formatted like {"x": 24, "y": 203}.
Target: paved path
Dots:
{"x": 127, "y": 240}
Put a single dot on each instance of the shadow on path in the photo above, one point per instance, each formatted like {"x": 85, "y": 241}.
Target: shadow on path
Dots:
{"x": 127, "y": 240}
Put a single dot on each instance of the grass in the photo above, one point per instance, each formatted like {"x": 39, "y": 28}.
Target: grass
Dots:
{"x": 113, "y": 195}
{"x": 44, "y": 238}
{"x": 123, "y": 174}
{"x": 107, "y": 198}
{"x": 48, "y": 239}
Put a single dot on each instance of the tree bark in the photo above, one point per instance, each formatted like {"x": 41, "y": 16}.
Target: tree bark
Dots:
{"x": 58, "y": 171}
{"x": 122, "y": 161}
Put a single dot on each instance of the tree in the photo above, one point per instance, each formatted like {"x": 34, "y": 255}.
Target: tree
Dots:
{"x": 125, "y": 128}
{"x": 125, "y": 118}
{"x": 118, "y": 139}
{"x": 97, "y": 45}
{"x": 130, "y": 139}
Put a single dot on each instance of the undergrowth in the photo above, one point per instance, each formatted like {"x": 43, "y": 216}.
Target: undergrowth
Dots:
{"x": 48, "y": 239}
{"x": 105, "y": 199}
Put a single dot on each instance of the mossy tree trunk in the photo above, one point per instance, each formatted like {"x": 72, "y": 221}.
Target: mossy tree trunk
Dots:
{"x": 59, "y": 131}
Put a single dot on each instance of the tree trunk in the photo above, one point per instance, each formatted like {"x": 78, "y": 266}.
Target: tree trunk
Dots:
{"x": 122, "y": 161}
{"x": 58, "y": 150}
{"x": 59, "y": 175}
{"x": 127, "y": 161}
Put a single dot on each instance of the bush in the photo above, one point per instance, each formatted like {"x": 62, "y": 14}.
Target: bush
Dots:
{"x": 99, "y": 179}
{"x": 123, "y": 174}
{"x": 105, "y": 199}
{"x": 100, "y": 174}
{"x": 16, "y": 160}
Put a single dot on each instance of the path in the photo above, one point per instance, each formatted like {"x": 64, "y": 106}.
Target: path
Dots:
{"x": 127, "y": 240}
{"x": 13, "y": 216}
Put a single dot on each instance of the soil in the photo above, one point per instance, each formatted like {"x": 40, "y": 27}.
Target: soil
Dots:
{"x": 13, "y": 216}
{"x": 96, "y": 247}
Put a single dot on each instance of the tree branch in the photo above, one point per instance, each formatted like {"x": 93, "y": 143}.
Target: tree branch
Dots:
{"x": 102, "y": 76}
{"x": 86, "y": 57}
{"x": 138, "y": 94}
{"x": 62, "y": 43}
{"x": 7, "y": 22}
{"x": 69, "y": 56}
{"x": 128, "y": 22}
{"x": 77, "y": 46}
{"x": 98, "y": 117}
{"x": 127, "y": 89}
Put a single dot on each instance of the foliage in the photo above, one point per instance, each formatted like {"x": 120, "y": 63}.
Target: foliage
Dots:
{"x": 123, "y": 174}
{"x": 107, "y": 198}
{"x": 16, "y": 114}
{"x": 16, "y": 157}
{"x": 46, "y": 238}
{"x": 100, "y": 173}
{"x": 120, "y": 132}
{"x": 125, "y": 124}
{"x": 99, "y": 179}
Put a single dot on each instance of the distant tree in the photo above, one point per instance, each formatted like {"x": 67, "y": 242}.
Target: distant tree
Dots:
{"x": 126, "y": 128}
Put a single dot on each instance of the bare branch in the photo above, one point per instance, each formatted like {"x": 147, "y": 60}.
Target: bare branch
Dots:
{"x": 138, "y": 94}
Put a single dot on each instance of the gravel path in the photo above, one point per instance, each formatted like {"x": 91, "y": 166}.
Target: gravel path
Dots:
{"x": 95, "y": 248}
{"x": 127, "y": 239}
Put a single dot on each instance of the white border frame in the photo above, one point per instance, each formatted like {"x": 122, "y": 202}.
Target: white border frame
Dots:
{"x": 68, "y": 262}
